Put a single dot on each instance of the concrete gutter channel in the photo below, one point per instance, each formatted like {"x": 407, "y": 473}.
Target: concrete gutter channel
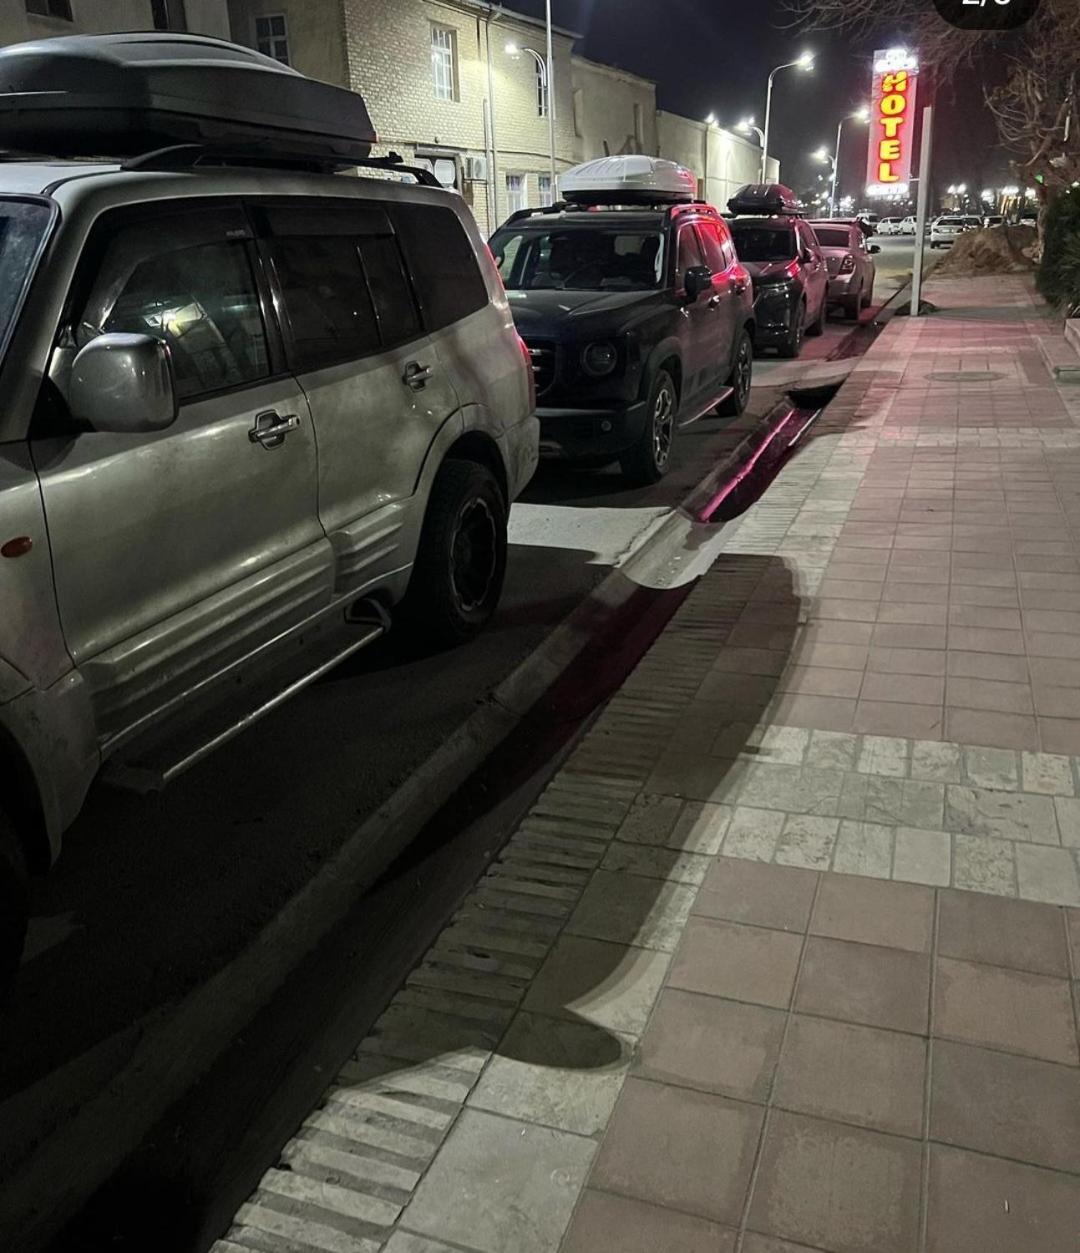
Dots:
{"x": 195, "y": 1092}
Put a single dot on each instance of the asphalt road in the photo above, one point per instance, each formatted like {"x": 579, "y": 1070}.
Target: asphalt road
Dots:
{"x": 153, "y": 895}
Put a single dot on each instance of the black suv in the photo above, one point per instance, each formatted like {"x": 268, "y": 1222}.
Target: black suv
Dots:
{"x": 639, "y": 320}
{"x": 781, "y": 251}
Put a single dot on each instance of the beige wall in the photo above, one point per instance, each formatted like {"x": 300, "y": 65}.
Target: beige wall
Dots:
{"x": 208, "y": 17}
{"x": 614, "y": 112}
{"x": 723, "y": 166}
{"x": 316, "y": 33}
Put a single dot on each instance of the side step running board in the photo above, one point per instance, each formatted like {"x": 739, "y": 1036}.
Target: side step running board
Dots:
{"x": 150, "y": 765}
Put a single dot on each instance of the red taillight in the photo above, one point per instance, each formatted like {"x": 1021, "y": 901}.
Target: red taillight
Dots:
{"x": 529, "y": 371}
{"x": 847, "y": 265}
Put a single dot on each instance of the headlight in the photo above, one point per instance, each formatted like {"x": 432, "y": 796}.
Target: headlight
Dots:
{"x": 599, "y": 359}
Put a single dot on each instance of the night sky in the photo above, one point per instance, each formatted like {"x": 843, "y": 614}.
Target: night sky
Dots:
{"x": 715, "y": 56}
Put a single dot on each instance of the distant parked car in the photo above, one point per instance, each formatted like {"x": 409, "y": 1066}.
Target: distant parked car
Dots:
{"x": 993, "y": 219}
{"x": 848, "y": 255}
{"x": 946, "y": 230}
{"x": 785, "y": 259}
{"x": 890, "y": 226}
{"x": 908, "y": 226}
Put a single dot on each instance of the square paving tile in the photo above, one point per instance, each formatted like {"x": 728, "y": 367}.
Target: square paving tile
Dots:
{"x": 1006, "y": 1105}
{"x": 687, "y": 1150}
{"x": 1047, "y": 874}
{"x": 748, "y": 891}
{"x": 893, "y": 915}
{"x": 1006, "y": 1009}
{"x": 1002, "y": 815}
{"x": 1018, "y": 934}
{"x": 711, "y": 1044}
{"x": 853, "y": 1074}
{"x": 498, "y": 1184}
{"x": 878, "y": 987}
{"x": 877, "y": 717}
{"x": 632, "y": 909}
{"x": 967, "y": 1211}
{"x": 982, "y": 864}
{"x": 836, "y": 1187}
{"x": 604, "y": 1221}
{"x": 562, "y": 1074}
{"x": 609, "y": 985}
{"x": 738, "y": 962}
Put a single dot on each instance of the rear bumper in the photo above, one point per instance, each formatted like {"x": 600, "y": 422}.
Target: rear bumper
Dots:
{"x": 840, "y": 286}
{"x": 585, "y": 434}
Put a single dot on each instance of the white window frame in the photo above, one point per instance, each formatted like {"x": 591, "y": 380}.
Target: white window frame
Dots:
{"x": 269, "y": 43}
{"x": 444, "y": 62}
{"x": 547, "y": 197}
{"x": 517, "y": 198}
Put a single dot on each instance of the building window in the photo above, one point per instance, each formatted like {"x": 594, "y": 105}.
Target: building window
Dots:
{"x": 272, "y": 37}
{"x": 444, "y": 62}
{"x": 168, "y": 14}
{"x": 50, "y": 8}
{"x": 515, "y": 192}
{"x": 545, "y": 190}
{"x": 541, "y": 90}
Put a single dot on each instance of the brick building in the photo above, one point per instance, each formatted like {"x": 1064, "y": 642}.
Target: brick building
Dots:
{"x": 40, "y": 19}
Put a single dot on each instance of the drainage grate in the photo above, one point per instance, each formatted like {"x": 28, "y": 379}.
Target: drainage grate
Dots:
{"x": 965, "y": 376}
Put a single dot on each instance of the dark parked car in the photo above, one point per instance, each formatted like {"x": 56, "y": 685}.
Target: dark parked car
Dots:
{"x": 639, "y": 320}
{"x": 786, "y": 264}
{"x": 848, "y": 255}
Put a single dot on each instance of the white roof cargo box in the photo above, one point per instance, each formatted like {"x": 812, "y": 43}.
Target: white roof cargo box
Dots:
{"x": 628, "y": 180}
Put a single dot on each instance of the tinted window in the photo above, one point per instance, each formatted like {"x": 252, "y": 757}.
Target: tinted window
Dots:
{"x": 442, "y": 263}
{"x": 689, "y": 254}
{"x": 578, "y": 259}
{"x": 763, "y": 243}
{"x": 200, "y": 299}
{"x": 391, "y": 292}
{"x": 835, "y": 237}
{"x": 712, "y": 246}
{"x": 22, "y": 233}
{"x": 329, "y": 309}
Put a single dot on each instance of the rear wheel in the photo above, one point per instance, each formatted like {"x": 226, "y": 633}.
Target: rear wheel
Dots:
{"x": 792, "y": 346}
{"x": 852, "y": 305}
{"x": 817, "y": 327}
{"x": 461, "y": 562}
{"x": 13, "y": 906}
{"x": 650, "y": 458}
{"x": 741, "y": 380}
{"x": 868, "y": 297}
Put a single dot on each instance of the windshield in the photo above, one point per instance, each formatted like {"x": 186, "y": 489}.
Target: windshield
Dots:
{"x": 579, "y": 259}
{"x": 833, "y": 236}
{"x": 23, "y": 227}
{"x": 763, "y": 243}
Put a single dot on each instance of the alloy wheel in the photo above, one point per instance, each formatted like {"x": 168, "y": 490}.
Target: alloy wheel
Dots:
{"x": 474, "y": 554}
{"x": 663, "y": 426}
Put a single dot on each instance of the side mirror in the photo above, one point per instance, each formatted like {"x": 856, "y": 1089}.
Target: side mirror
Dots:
{"x": 123, "y": 383}
{"x": 875, "y": 247}
{"x": 806, "y": 256}
{"x": 698, "y": 279}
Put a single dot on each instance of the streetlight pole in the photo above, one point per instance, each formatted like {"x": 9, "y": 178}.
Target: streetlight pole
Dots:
{"x": 550, "y": 75}
{"x": 805, "y": 62}
{"x": 863, "y": 115}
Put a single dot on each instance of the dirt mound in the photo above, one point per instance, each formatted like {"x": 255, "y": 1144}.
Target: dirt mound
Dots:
{"x": 998, "y": 250}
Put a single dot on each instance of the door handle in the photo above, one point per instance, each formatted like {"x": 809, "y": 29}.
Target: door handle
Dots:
{"x": 271, "y": 428}
{"x": 416, "y": 375}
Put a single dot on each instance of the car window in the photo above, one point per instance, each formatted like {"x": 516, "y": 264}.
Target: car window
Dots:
{"x": 391, "y": 291}
{"x": 578, "y": 258}
{"x": 442, "y": 262}
{"x": 689, "y": 254}
{"x": 758, "y": 242}
{"x": 328, "y": 307}
{"x": 712, "y": 246}
{"x": 836, "y": 236}
{"x": 24, "y": 226}
{"x": 197, "y": 292}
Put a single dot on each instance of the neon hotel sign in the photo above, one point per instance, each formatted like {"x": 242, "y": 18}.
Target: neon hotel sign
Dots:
{"x": 892, "y": 122}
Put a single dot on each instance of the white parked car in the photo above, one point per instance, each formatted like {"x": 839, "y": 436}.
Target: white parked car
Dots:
{"x": 890, "y": 226}
{"x": 946, "y": 230}
{"x": 908, "y": 226}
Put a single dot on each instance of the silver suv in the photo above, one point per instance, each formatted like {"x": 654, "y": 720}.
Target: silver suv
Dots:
{"x": 245, "y": 417}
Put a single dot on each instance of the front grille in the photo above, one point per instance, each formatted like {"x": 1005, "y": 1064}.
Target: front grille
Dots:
{"x": 542, "y": 355}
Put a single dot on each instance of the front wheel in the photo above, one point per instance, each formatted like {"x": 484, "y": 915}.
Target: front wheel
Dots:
{"x": 461, "y": 562}
{"x": 741, "y": 380}
{"x": 817, "y": 327}
{"x": 650, "y": 458}
{"x": 13, "y": 906}
{"x": 792, "y": 346}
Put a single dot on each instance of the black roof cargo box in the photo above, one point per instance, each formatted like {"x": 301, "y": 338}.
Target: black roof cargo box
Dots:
{"x": 123, "y": 95}
{"x": 765, "y": 199}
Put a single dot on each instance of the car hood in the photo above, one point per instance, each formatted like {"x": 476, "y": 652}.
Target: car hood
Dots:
{"x": 541, "y": 312}
{"x": 767, "y": 270}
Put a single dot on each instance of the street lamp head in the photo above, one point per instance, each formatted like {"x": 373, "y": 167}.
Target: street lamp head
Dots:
{"x": 822, "y": 154}
{"x": 513, "y": 49}
{"x": 806, "y": 61}
{"x": 863, "y": 115}
{"x": 711, "y": 120}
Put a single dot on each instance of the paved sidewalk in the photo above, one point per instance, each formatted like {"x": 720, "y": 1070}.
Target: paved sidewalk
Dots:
{"x": 784, "y": 956}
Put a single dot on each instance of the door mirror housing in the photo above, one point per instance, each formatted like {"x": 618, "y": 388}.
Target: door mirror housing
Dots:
{"x": 698, "y": 279}
{"x": 123, "y": 383}
{"x": 807, "y": 256}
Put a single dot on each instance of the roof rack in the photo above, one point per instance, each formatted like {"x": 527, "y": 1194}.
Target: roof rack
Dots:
{"x": 582, "y": 207}
{"x": 187, "y": 156}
